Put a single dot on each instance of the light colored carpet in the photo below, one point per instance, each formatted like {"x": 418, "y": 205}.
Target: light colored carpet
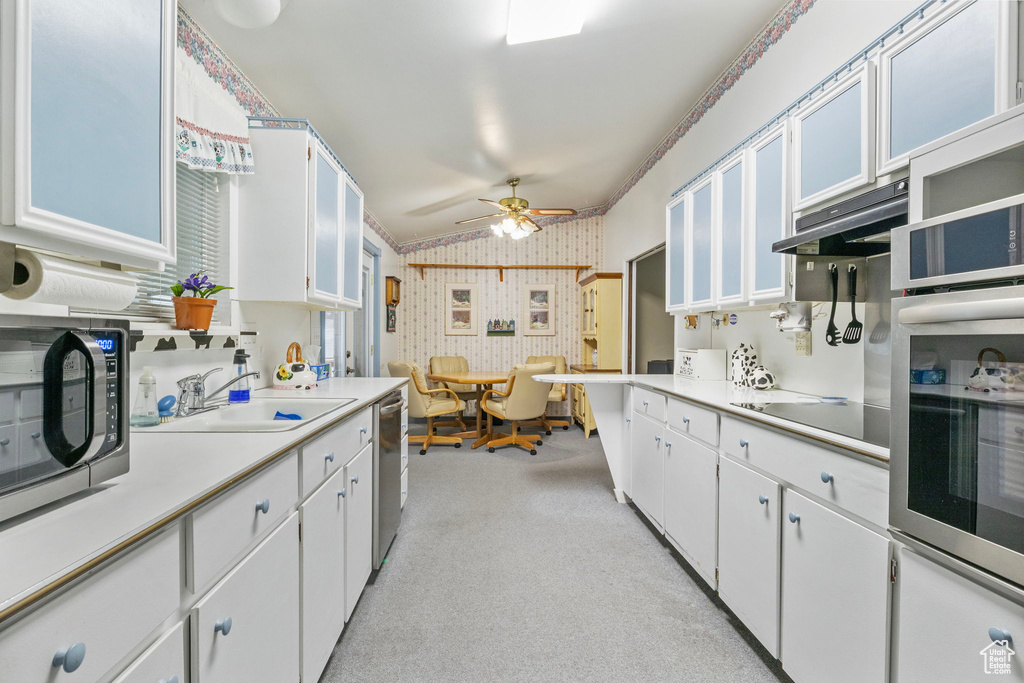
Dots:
{"x": 512, "y": 567}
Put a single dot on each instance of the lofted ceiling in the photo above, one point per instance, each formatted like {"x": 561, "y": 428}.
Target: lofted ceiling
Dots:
{"x": 430, "y": 109}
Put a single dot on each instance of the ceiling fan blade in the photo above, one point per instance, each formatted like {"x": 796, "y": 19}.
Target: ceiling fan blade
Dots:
{"x": 478, "y": 218}
{"x": 527, "y": 219}
{"x": 552, "y": 212}
{"x": 496, "y": 205}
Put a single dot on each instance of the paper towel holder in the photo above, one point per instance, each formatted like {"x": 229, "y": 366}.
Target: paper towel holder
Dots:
{"x": 7, "y": 251}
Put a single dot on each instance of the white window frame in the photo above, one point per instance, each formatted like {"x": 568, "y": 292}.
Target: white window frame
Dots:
{"x": 1005, "y": 76}
{"x": 718, "y": 232}
{"x": 703, "y": 304}
{"x": 680, "y": 307}
{"x": 343, "y": 264}
{"x": 782, "y": 292}
{"x": 864, "y": 78}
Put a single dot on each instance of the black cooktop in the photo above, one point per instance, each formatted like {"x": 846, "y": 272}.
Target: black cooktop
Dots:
{"x": 855, "y": 420}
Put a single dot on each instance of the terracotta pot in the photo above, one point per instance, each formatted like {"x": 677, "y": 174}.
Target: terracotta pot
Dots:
{"x": 193, "y": 312}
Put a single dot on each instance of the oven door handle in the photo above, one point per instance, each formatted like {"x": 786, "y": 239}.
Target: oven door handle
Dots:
{"x": 62, "y": 450}
{"x": 993, "y": 309}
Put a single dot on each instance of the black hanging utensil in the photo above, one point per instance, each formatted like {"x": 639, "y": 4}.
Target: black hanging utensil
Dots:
{"x": 832, "y": 333}
{"x": 854, "y": 329}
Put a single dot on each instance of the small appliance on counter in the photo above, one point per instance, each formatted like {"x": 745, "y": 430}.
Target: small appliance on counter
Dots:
{"x": 63, "y": 407}
{"x": 700, "y": 363}
{"x": 295, "y": 373}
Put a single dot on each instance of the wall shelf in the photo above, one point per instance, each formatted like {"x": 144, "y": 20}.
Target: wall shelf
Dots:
{"x": 501, "y": 269}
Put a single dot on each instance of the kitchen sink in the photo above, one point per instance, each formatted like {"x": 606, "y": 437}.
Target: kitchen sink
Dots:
{"x": 255, "y": 416}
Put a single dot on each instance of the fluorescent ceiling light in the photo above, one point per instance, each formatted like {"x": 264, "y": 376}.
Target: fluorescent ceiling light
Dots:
{"x": 532, "y": 20}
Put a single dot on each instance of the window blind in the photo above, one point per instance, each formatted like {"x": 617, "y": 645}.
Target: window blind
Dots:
{"x": 201, "y": 245}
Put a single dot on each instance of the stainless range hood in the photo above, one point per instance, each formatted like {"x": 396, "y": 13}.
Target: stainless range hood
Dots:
{"x": 856, "y": 227}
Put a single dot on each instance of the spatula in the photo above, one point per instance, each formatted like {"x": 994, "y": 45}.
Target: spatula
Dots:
{"x": 854, "y": 329}
{"x": 832, "y": 332}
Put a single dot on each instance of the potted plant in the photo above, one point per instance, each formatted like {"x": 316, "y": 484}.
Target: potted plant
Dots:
{"x": 195, "y": 312}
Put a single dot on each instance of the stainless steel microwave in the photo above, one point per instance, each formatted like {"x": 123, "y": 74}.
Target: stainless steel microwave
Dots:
{"x": 63, "y": 408}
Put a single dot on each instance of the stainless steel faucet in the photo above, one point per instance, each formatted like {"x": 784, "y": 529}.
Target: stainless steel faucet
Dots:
{"x": 192, "y": 396}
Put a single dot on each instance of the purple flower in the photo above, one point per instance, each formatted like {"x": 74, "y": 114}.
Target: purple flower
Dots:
{"x": 196, "y": 282}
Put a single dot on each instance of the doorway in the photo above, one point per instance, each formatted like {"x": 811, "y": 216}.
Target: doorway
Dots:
{"x": 651, "y": 337}
{"x": 365, "y": 328}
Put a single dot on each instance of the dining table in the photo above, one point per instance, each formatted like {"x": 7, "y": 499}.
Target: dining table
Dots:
{"x": 482, "y": 380}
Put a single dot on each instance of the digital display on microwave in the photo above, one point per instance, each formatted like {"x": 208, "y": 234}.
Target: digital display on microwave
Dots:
{"x": 106, "y": 344}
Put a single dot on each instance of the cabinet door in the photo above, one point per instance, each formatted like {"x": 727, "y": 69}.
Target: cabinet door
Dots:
{"x": 748, "y": 549}
{"x": 326, "y": 241}
{"x": 691, "y": 501}
{"x": 353, "y": 248}
{"x": 729, "y": 235}
{"x": 163, "y": 661}
{"x": 833, "y": 147}
{"x": 946, "y": 626}
{"x": 93, "y": 165}
{"x": 943, "y": 74}
{"x": 675, "y": 239}
{"x": 700, "y": 233}
{"x": 247, "y": 628}
{"x": 647, "y": 468}
{"x": 768, "y": 199}
{"x": 323, "y": 573}
{"x": 358, "y": 526}
{"x": 835, "y": 596}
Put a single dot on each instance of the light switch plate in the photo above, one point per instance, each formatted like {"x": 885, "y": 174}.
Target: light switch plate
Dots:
{"x": 803, "y": 343}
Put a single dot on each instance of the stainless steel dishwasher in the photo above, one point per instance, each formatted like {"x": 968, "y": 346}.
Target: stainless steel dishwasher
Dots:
{"x": 387, "y": 475}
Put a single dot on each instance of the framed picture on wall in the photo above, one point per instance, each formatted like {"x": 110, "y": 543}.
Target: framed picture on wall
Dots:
{"x": 391, "y": 318}
{"x": 539, "y": 310}
{"x": 460, "y": 308}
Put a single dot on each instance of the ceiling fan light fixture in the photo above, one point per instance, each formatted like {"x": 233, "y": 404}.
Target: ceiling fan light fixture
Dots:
{"x": 496, "y": 229}
{"x": 509, "y": 226}
{"x": 533, "y": 20}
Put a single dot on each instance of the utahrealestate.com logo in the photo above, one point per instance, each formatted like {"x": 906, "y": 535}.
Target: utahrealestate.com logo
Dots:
{"x": 998, "y": 657}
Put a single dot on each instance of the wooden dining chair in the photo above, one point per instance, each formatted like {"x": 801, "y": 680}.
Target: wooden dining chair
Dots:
{"x": 522, "y": 400}
{"x": 429, "y": 403}
{"x": 556, "y": 395}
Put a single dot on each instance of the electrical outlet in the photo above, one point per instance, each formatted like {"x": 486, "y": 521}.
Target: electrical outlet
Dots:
{"x": 803, "y": 343}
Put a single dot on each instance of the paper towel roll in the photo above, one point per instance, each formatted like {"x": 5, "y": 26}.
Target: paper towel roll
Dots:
{"x": 50, "y": 280}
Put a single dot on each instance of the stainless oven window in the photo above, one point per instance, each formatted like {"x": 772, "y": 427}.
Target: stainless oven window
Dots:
{"x": 973, "y": 244}
{"x": 965, "y": 457}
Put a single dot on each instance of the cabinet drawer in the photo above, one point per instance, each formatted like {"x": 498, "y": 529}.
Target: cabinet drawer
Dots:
{"x": 691, "y": 420}
{"x": 405, "y": 486}
{"x": 944, "y": 622}
{"x": 405, "y": 421}
{"x": 857, "y": 486}
{"x": 163, "y": 661}
{"x": 405, "y": 452}
{"x": 108, "y": 614}
{"x": 328, "y": 452}
{"x": 221, "y": 530}
{"x": 260, "y": 597}
{"x": 649, "y": 403}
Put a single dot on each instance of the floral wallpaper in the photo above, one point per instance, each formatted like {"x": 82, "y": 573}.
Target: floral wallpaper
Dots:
{"x": 420, "y": 321}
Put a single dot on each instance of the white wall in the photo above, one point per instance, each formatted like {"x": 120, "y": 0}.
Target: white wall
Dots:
{"x": 820, "y": 41}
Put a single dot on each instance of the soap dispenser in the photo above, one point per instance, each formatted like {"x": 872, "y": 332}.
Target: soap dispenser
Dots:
{"x": 145, "y": 412}
{"x": 239, "y": 392}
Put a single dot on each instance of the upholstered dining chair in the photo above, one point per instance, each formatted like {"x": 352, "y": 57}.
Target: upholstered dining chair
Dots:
{"x": 557, "y": 393}
{"x": 429, "y": 403}
{"x": 443, "y": 364}
{"x": 522, "y": 400}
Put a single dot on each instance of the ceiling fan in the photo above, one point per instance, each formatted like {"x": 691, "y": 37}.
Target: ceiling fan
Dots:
{"x": 515, "y": 214}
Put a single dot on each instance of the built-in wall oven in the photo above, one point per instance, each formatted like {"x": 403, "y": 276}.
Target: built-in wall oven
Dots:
{"x": 63, "y": 407}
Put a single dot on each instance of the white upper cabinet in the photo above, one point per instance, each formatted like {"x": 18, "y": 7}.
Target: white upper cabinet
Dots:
{"x": 833, "y": 144}
{"x": 86, "y": 128}
{"x": 675, "y": 263}
{"x": 767, "y": 203}
{"x": 952, "y": 69}
{"x": 700, "y": 236}
{"x": 300, "y": 221}
{"x": 731, "y": 264}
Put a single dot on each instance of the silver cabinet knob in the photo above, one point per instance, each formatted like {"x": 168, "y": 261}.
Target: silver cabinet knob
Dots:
{"x": 329, "y": 457}
{"x": 999, "y": 634}
{"x": 744, "y": 443}
{"x": 36, "y": 435}
{"x": 362, "y": 430}
{"x": 69, "y": 658}
{"x": 657, "y": 439}
{"x": 628, "y": 420}
{"x": 355, "y": 479}
{"x": 1019, "y": 430}
{"x": 645, "y": 404}
{"x": 686, "y": 420}
{"x": 827, "y": 478}
{"x": 763, "y": 500}
{"x": 793, "y": 517}
{"x": 668, "y": 444}
{"x": 263, "y": 506}
{"x": 223, "y": 626}
{"x": 5, "y": 442}
{"x": 341, "y": 493}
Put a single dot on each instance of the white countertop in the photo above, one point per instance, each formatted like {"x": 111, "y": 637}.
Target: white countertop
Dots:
{"x": 720, "y": 394}
{"x": 168, "y": 471}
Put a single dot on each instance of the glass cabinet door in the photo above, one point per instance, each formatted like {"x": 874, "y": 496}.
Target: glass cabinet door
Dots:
{"x": 701, "y": 228}
{"x": 769, "y": 212}
{"x": 327, "y": 225}
{"x": 730, "y": 251}
{"x": 353, "y": 243}
{"x": 675, "y": 238}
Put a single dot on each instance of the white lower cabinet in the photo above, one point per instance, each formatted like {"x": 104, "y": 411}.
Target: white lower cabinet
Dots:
{"x": 748, "y": 549}
{"x": 946, "y": 627}
{"x": 163, "y": 662}
{"x": 247, "y": 627}
{"x": 835, "y": 596}
{"x": 691, "y": 501}
{"x": 358, "y": 526}
{"x": 405, "y": 486}
{"x": 647, "y": 468}
{"x": 323, "y": 578}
